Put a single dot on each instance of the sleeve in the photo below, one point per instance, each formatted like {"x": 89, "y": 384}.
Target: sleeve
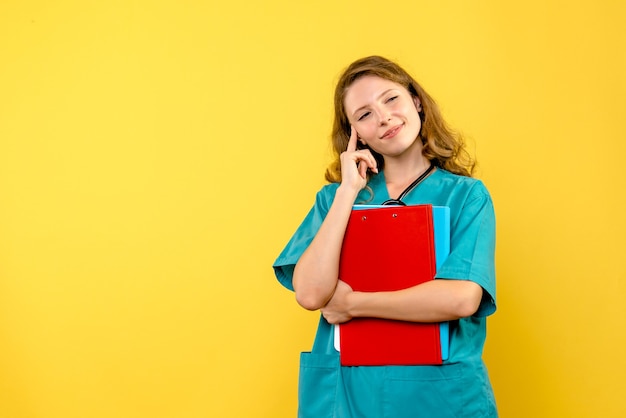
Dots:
{"x": 299, "y": 242}
{"x": 472, "y": 247}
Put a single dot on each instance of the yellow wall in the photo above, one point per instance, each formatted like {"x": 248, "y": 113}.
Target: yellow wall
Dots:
{"x": 155, "y": 156}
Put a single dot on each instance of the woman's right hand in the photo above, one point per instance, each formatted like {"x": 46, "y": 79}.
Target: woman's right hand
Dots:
{"x": 355, "y": 163}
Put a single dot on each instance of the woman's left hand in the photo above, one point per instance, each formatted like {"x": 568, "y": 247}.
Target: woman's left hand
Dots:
{"x": 336, "y": 310}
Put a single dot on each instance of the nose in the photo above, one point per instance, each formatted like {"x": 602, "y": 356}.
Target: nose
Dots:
{"x": 383, "y": 117}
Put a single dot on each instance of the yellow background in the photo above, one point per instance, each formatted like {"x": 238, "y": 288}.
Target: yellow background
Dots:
{"x": 155, "y": 156}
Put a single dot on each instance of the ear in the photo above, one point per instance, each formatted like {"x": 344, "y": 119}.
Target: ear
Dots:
{"x": 418, "y": 103}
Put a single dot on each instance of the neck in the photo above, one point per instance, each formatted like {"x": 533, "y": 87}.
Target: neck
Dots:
{"x": 399, "y": 176}
{"x": 401, "y": 172}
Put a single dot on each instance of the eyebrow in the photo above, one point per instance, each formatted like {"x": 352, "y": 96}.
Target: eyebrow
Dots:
{"x": 379, "y": 96}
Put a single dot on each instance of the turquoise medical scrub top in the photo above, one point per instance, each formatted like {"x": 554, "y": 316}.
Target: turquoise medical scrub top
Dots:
{"x": 458, "y": 388}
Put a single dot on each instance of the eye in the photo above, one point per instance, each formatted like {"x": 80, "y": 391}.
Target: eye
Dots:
{"x": 363, "y": 116}
{"x": 392, "y": 98}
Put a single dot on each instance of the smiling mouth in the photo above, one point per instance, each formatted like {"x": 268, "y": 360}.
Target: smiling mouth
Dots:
{"x": 391, "y": 132}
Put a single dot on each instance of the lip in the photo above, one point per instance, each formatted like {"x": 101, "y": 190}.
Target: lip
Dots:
{"x": 391, "y": 132}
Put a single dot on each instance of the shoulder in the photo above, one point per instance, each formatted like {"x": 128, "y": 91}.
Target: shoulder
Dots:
{"x": 468, "y": 187}
{"x": 326, "y": 195}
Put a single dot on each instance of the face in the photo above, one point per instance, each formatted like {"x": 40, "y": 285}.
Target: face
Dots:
{"x": 385, "y": 116}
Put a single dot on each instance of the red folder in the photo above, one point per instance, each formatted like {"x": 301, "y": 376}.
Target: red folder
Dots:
{"x": 385, "y": 249}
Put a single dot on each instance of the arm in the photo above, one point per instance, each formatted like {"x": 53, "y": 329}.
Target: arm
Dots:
{"x": 433, "y": 301}
{"x": 442, "y": 299}
{"x": 316, "y": 273}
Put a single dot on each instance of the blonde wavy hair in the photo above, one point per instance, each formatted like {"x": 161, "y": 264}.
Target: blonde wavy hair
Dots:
{"x": 444, "y": 147}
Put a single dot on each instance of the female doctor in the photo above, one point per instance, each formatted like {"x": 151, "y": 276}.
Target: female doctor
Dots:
{"x": 391, "y": 142}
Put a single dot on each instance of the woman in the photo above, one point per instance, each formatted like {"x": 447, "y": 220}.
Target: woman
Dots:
{"x": 391, "y": 142}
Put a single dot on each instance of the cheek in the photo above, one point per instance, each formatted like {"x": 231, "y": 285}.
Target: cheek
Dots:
{"x": 365, "y": 131}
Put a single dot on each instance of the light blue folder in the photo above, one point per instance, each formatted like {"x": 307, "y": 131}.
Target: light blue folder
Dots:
{"x": 441, "y": 226}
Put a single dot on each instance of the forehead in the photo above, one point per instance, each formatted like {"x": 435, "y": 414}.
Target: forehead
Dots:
{"x": 367, "y": 89}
